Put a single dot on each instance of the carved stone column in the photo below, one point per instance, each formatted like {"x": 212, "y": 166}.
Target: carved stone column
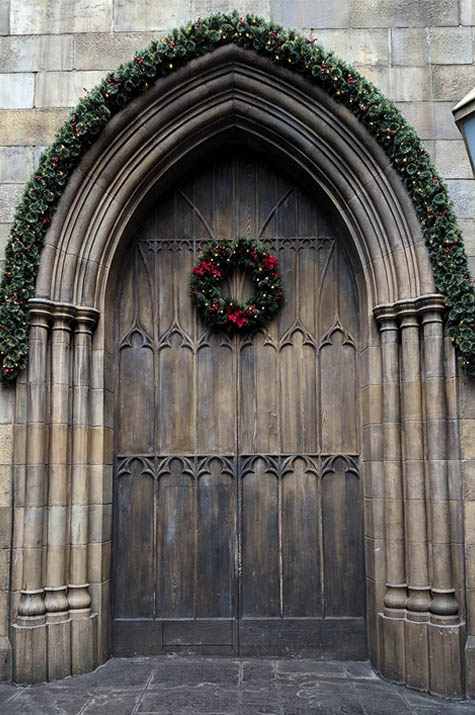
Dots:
{"x": 396, "y": 594}
{"x": 79, "y": 599}
{"x": 30, "y": 638}
{"x": 392, "y": 648}
{"x": 417, "y": 605}
{"x": 59, "y": 645}
{"x": 443, "y": 604}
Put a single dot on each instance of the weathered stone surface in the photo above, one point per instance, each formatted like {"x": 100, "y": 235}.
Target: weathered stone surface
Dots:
{"x": 64, "y": 89}
{"x": 16, "y": 164}
{"x": 363, "y": 47}
{"x": 153, "y": 15}
{"x": 444, "y": 124}
{"x": 419, "y": 115}
{"x": 100, "y": 51}
{"x": 468, "y": 229}
{"x": 452, "y": 83}
{"x": 201, "y": 8}
{"x": 16, "y": 91}
{"x": 9, "y": 196}
{"x": 29, "y": 127}
{"x": 56, "y": 16}
{"x": 451, "y": 45}
{"x": 4, "y": 16}
{"x": 5, "y": 486}
{"x": 451, "y": 159}
{"x": 410, "y": 46}
{"x": 403, "y": 13}
{"x": 305, "y": 13}
{"x": 410, "y": 84}
{"x": 462, "y": 193}
{"x": 30, "y": 54}
{"x": 378, "y": 75}
{"x": 467, "y": 12}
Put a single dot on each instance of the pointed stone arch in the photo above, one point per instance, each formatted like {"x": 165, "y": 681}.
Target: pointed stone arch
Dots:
{"x": 235, "y": 95}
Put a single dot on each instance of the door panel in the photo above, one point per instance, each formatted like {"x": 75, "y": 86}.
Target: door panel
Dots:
{"x": 237, "y": 522}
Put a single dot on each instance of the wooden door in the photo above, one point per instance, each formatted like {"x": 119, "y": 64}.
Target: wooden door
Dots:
{"x": 237, "y": 498}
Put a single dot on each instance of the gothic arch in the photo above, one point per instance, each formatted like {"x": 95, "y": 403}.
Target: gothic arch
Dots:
{"x": 234, "y": 94}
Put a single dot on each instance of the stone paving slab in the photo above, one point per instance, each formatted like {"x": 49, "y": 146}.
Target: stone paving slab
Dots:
{"x": 170, "y": 685}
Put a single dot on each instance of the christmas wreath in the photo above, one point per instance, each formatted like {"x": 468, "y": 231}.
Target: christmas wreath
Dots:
{"x": 217, "y": 262}
{"x": 287, "y": 49}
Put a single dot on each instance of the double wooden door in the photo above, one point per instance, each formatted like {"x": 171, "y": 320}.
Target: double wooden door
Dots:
{"x": 237, "y": 499}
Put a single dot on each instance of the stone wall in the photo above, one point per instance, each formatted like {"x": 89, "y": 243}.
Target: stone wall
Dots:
{"x": 419, "y": 52}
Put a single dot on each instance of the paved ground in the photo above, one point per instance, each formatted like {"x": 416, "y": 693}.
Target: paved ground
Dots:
{"x": 220, "y": 686}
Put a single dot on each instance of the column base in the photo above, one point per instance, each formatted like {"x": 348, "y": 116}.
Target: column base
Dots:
{"x": 426, "y": 656}
{"x": 5, "y": 658}
{"x": 391, "y": 630}
{"x": 52, "y": 651}
{"x": 59, "y": 649}
{"x": 29, "y": 654}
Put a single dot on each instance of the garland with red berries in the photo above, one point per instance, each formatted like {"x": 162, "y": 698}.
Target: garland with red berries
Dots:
{"x": 286, "y": 48}
{"x": 216, "y": 264}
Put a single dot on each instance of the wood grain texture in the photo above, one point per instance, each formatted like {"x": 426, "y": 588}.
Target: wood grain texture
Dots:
{"x": 240, "y": 539}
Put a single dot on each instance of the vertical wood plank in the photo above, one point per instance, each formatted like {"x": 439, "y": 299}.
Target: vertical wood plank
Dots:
{"x": 260, "y": 543}
{"x": 134, "y": 540}
{"x": 216, "y": 535}
{"x": 342, "y": 543}
{"x": 176, "y": 520}
{"x": 301, "y": 563}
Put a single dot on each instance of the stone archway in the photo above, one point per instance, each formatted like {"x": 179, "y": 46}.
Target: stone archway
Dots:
{"x": 409, "y": 468}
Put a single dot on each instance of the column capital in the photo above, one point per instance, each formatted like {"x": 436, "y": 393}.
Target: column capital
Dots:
{"x": 386, "y": 317}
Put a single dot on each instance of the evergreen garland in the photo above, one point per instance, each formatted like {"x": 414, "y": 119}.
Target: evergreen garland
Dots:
{"x": 218, "y": 261}
{"x": 286, "y": 48}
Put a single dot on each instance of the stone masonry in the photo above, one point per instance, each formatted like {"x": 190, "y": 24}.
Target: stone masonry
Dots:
{"x": 419, "y": 52}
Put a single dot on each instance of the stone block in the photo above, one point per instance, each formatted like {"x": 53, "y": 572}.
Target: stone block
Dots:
{"x": 26, "y": 127}
{"x": 6, "y": 443}
{"x": 83, "y": 645}
{"x": 305, "y": 13}
{"x": 467, "y": 227}
{"x": 202, "y": 8}
{"x": 467, "y": 12}
{"x": 451, "y": 45}
{"x": 417, "y": 655}
{"x": 100, "y": 51}
{"x": 403, "y": 13}
{"x": 392, "y": 648}
{"x": 30, "y": 54}
{"x": 4, "y": 233}
{"x": 4, "y": 17}
{"x": 5, "y": 486}
{"x": 445, "y": 658}
{"x": 378, "y": 75}
{"x": 17, "y": 91}
{"x": 153, "y": 15}
{"x": 29, "y": 645}
{"x": 60, "y": 16}
{"x": 64, "y": 89}
{"x": 444, "y": 124}
{"x": 59, "y": 650}
{"x": 469, "y": 514}
{"x": 419, "y": 115}
{"x": 5, "y": 527}
{"x": 16, "y": 164}
{"x": 462, "y": 193}
{"x": 467, "y": 392}
{"x": 451, "y": 83}
{"x": 410, "y": 84}
{"x": 470, "y": 667}
{"x": 410, "y": 46}
{"x": 363, "y": 47}
{"x": 5, "y": 658}
{"x": 451, "y": 159}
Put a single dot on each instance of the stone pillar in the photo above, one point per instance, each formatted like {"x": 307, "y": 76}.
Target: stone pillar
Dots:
{"x": 446, "y": 632}
{"x": 82, "y": 626}
{"x": 417, "y": 605}
{"x": 393, "y": 659}
{"x": 29, "y": 633}
{"x": 56, "y": 602}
